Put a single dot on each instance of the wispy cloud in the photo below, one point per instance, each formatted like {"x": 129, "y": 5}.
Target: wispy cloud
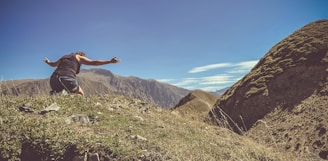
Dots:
{"x": 217, "y": 79}
{"x": 206, "y": 81}
{"x": 211, "y": 88}
{"x": 165, "y": 80}
{"x": 240, "y": 66}
{"x": 234, "y": 72}
{"x": 247, "y": 64}
{"x": 209, "y": 67}
{"x": 187, "y": 82}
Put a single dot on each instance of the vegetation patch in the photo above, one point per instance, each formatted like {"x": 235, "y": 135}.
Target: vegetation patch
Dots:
{"x": 254, "y": 90}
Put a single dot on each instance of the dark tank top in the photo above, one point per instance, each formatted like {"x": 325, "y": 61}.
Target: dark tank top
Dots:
{"x": 68, "y": 66}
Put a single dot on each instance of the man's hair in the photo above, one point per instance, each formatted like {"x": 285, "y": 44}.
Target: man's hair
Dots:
{"x": 80, "y": 53}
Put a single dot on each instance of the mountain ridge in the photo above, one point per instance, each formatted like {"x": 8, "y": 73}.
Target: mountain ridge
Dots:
{"x": 102, "y": 81}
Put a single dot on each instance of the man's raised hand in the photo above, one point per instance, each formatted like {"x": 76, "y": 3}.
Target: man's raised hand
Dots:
{"x": 115, "y": 60}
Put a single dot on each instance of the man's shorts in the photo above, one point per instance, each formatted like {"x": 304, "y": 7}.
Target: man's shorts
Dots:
{"x": 60, "y": 83}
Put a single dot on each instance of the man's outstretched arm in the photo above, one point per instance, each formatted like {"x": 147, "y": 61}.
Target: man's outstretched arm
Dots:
{"x": 53, "y": 64}
{"x": 87, "y": 61}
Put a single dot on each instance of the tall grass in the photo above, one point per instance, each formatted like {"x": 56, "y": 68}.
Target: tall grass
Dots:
{"x": 222, "y": 119}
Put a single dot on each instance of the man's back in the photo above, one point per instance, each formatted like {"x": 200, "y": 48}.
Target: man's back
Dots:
{"x": 68, "y": 66}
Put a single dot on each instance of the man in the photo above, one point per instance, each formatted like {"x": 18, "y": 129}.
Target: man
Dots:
{"x": 68, "y": 66}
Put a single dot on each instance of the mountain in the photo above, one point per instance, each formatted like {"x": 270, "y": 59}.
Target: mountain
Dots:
{"x": 195, "y": 105}
{"x": 101, "y": 81}
{"x": 283, "y": 100}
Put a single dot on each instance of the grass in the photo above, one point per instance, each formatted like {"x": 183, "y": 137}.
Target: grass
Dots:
{"x": 116, "y": 121}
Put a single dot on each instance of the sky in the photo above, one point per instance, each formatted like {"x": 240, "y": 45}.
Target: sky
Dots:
{"x": 193, "y": 44}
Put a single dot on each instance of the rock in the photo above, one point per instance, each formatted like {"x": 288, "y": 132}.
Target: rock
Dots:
{"x": 138, "y": 118}
{"x": 138, "y": 137}
{"x": 81, "y": 118}
{"x": 52, "y": 107}
{"x": 26, "y": 109}
{"x": 115, "y": 107}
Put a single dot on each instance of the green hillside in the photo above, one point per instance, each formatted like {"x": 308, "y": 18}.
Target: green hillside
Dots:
{"x": 114, "y": 127}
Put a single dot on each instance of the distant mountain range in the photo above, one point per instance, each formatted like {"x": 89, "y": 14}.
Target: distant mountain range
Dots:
{"x": 101, "y": 81}
{"x": 149, "y": 90}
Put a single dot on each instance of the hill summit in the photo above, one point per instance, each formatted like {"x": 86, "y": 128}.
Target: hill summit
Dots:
{"x": 195, "y": 105}
{"x": 285, "y": 94}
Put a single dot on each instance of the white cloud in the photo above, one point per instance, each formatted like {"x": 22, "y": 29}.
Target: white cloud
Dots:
{"x": 217, "y": 79}
{"x": 234, "y": 73}
{"x": 165, "y": 80}
{"x": 187, "y": 82}
{"x": 247, "y": 64}
{"x": 237, "y": 71}
{"x": 241, "y": 66}
{"x": 206, "y": 82}
{"x": 209, "y": 67}
{"x": 212, "y": 88}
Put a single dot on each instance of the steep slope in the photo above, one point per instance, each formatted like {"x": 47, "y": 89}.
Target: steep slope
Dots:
{"x": 101, "y": 81}
{"x": 291, "y": 78}
{"x": 195, "y": 105}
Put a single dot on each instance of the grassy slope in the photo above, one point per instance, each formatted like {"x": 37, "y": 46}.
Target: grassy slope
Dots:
{"x": 116, "y": 119}
{"x": 304, "y": 46}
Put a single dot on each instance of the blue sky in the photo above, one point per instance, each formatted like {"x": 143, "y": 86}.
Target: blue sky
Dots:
{"x": 194, "y": 44}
